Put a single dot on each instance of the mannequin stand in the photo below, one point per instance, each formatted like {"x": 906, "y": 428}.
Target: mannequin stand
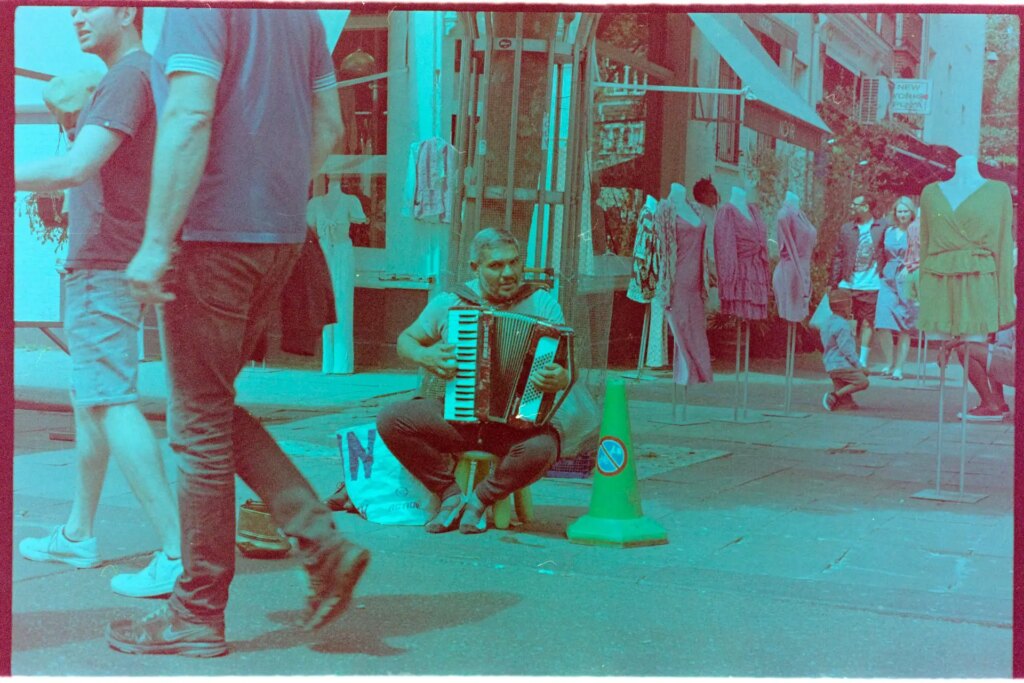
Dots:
{"x": 938, "y": 493}
{"x": 790, "y": 367}
{"x": 739, "y": 410}
{"x": 922, "y": 362}
{"x": 675, "y": 420}
{"x": 644, "y": 339}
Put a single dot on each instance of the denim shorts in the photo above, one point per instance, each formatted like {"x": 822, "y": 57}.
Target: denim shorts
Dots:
{"x": 102, "y": 321}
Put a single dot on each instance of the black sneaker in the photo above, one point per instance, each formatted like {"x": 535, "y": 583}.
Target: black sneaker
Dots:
{"x": 163, "y": 632}
{"x": 332, "y": 584}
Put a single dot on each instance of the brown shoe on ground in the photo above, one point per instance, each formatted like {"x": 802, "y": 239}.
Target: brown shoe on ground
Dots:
{"x": 331, "y": 586}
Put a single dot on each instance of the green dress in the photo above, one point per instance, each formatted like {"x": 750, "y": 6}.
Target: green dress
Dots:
{"x": 966, "y": 273}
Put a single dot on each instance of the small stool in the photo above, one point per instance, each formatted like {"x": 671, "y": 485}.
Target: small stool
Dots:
{"x": 467, "y": 476}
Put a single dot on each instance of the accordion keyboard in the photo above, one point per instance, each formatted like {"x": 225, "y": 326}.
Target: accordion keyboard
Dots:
{"x": 460, "y": 392}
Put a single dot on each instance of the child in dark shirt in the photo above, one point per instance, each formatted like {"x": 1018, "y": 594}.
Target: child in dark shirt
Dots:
{"x": 840, "y": 355}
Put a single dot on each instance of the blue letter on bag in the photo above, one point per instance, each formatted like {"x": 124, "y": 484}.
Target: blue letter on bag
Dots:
{"x": 357, "y": 454}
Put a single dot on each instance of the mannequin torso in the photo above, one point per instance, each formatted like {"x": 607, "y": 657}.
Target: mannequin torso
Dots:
{"x": 965, "y": 181}
{"x": 738, "y": 198}
{"x": 677, "y": 196}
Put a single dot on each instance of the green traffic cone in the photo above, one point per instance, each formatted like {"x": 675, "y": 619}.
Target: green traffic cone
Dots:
{"x": 615, "y": 517}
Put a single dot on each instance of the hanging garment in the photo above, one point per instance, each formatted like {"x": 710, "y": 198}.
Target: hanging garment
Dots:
{"x": 332, "y": 219}
{"x": 646, "y": 255}
{"x": 429, "y": 181}
{"x": 893, "y": 311}
{"x": 791, "y": 280}
{"x": 741, "y": 257}
{"x": 691, "y": 363}
{"x": 966, "y": 273}
{"x": 307, "y": 300}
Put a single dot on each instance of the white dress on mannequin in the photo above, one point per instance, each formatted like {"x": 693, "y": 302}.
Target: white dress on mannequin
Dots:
{"x": 330, "y": 215}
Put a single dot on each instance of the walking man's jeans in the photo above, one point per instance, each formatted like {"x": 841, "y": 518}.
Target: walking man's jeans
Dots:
{"x": 224, "y": 297}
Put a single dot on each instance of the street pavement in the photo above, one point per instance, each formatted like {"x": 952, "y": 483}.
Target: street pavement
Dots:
{"x": 797, "y": 545}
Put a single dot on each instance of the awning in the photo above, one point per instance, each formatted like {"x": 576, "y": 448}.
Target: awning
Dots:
{"x": 778, "y": 110}
{"x": 926, "y": 164}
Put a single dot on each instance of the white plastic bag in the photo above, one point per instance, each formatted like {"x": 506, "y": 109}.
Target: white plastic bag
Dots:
{"x": 821, "y": 313}
{"x": 381, "y": 489}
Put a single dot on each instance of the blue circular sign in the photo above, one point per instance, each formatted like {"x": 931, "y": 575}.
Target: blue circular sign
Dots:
{"x": 611, "y": 456}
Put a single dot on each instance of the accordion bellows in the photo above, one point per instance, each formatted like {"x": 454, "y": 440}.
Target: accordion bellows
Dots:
{"x": 496, "y": 354}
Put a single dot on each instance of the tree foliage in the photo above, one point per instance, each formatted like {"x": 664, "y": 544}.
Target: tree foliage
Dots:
{"x": 858, "y": 161}
{"x": 999, "y": 101}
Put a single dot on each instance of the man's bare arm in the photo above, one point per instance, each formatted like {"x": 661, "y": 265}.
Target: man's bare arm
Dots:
{"x": 93, "y": 147}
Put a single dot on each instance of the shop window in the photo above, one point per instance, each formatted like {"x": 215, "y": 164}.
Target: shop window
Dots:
{"x": 765, "y": 142}
{"x": 361, "y": 54}
{"x": 361, "y": 64}
{"x": 370, "y": 189}
{"x": 727, "y": 143}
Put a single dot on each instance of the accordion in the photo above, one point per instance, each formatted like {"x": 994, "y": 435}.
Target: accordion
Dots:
{"x": 496, "y": 353}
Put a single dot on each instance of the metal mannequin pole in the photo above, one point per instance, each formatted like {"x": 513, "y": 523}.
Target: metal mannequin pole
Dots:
{"x": 922, "y": 362}
{"x": 644, "y": 338}
{"x": 790, "y": 369}
{"x": 937, "y": 493}
{"x": 685, "y": 421}
{"x": 742, "y": 338}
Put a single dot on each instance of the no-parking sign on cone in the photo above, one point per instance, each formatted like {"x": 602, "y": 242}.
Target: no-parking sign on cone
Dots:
{"x": 615, "y": 518}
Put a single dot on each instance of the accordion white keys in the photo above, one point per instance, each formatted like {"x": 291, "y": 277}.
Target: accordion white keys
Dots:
{"x": 496, "y": 353}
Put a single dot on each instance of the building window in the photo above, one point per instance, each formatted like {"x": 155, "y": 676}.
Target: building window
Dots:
{"x": 773, "y": 48}
{"x": 839, "y": 85}
{"x": 887, "y": 28}
{"x": 727, "y": 143}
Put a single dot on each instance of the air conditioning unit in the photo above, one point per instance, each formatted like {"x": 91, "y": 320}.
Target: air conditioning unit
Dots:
{"x": 875, "y": 97}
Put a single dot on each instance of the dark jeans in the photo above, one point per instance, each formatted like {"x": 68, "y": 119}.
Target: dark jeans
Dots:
{"x": 423, "y": 441}
{"x": 224, "y": 297}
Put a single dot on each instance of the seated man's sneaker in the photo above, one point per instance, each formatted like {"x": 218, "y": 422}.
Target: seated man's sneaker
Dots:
{"x": 156, "y": 579}
{"x": 982, "y": 414}
{"x": 332, "y": 584}
{"x": 163, "y": 632}
{"x": 56, "y": 547}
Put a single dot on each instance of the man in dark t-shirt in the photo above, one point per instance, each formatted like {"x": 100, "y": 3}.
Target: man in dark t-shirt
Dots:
{"x": 108, "y": 172}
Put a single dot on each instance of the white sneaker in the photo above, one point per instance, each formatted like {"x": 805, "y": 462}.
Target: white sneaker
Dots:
{"x": 155, "y": 580}
{"x": 59, "y": 548}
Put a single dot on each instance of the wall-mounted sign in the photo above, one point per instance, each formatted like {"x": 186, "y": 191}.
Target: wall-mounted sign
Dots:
{"x": 911, "y": 96}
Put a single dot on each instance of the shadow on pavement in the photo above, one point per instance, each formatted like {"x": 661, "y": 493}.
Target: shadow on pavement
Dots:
{"x": 371, "y": 621}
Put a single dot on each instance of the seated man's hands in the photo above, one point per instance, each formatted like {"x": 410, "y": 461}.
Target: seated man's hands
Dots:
{"x": 550, "y": 378}
{"x": 439, "y": 359}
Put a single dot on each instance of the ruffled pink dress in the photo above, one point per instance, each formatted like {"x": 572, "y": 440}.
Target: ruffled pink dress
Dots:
{"x": 741, "y": 259}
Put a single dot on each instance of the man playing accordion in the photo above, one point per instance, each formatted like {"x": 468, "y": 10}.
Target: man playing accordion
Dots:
{"x": 416, "y": 430}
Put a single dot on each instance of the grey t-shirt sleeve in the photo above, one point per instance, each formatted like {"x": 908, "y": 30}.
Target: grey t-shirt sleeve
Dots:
{"x": 193, "y": 40}
{"x": 323, "y": 67}
{"x": 433, "y": 319}
{"x": 123, "y": 101}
